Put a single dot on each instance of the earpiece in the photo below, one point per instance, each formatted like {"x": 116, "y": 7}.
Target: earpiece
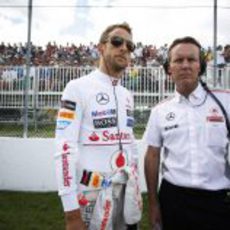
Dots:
{"x": 203, "y": 66}
{"x": 166, "y": 66}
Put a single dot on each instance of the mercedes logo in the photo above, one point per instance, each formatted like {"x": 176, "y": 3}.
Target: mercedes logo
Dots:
{"x": 102, "y": 98}
{"x": 170, "y": 116}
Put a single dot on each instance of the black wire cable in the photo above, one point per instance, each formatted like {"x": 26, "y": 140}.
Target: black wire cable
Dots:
{"x": 117, "y": 118}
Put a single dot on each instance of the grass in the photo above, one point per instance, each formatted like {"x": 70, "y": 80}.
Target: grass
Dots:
{"x": 43, "y": 130}
{"x": 38, "y": 211}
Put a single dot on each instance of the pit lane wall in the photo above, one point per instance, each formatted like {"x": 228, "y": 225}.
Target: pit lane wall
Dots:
{"x": 28, "y": 164}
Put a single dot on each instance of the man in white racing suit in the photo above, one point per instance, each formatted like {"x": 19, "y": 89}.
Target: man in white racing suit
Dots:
{"x": 94, "y": 138}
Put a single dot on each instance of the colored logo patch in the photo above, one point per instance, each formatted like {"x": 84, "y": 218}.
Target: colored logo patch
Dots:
{"x": 215, "y": 119}
{"x": 119, "y": 160}
{"x": 68, "y": 105}
{"x": 62, "y": 124}
{"x": 94, "y": 137}
{"x": 103, "y": 113}
{"x": 92, "y": 179}
{"x": 130, "y": 122}
{"x": 66, "y": 115}
{"x": 96, "y": 180}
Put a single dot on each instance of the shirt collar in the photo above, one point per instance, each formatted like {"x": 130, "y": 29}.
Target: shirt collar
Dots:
{"x": 107, "y": 79}
{"x": 195, "y": 98}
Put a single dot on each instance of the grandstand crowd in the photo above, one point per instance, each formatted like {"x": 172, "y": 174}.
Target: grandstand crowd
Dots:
{"x": 87, "y": 55}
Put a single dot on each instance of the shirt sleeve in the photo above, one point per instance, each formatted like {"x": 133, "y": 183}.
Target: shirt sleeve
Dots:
{"x": 152, "y": 135}
{"x": 66, "y": 136}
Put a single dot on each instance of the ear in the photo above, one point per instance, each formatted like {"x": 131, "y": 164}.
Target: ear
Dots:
{"x": 169, "y": 71}
{"x": 100, "y": 48}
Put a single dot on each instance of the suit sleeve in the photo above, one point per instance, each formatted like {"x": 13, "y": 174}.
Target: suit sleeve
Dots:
{"x": 66, "y": 137}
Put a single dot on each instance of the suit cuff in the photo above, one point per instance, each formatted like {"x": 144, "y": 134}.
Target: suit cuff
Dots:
{"x": 70, "y": 202}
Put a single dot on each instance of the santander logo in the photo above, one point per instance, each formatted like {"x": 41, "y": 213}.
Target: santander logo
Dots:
{"x": 107, "y": 136}
{"x": 94, "y": 137}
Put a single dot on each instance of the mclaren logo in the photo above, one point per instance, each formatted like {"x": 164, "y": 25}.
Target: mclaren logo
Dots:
{"x": 102, "y": 98}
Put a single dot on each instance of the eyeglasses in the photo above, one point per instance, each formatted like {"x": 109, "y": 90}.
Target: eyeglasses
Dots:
{"x": 117, "y": 41}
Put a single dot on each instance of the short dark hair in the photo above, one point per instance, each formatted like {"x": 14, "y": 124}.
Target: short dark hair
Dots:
{"x": 105, "y": 33}
{"x": 186, "y": 39}
{"x": 226, "y": 47}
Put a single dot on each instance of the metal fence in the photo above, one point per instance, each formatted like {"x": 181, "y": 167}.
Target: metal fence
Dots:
{"x": 148, "y": 85}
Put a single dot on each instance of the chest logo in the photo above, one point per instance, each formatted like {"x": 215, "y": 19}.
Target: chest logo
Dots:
{"x": 170, "y": 116}
{"x": 119, "y": 160}
{"x": 102, "y": 98}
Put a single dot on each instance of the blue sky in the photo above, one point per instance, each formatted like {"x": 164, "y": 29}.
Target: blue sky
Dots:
{"x": 153, "y": 21}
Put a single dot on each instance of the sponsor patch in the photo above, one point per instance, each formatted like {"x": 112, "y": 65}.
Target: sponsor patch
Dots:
{"x": 82, "y": 200}
{"x": 107, "y": 136}
{"x": 96, "y": 180}
{"x": 68, "y": 105}
{"x": 65, "y": 170}
{"x": 102, "y": 98}
{"x": 105, "y": 122}
{"x": 85, "y": 177}
{"x": 103, "y": 113}
{"x": 63, "y": 114}
{"x": 93, "y": 179}
{"x": 171, "y": 127}
{"x": 170, "y": 116}
{"x": 62, "y": 124}
{"x": 119, "y": 160}
{"x": 94, "y": 137}
{"x": 215, "y": 119}
{"x": 129, "y": 113}
{"x": 107, "y": 209}
{"x": 215, "y": 115}
{"x": 130, "y": 122}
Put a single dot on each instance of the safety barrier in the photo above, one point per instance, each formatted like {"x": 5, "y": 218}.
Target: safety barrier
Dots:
{"x": 148, "y": 84}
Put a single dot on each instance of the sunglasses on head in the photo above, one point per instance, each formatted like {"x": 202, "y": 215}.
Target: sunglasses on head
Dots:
{"x": 117, "y": 41}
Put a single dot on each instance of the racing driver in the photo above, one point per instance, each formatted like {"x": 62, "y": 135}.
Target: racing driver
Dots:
{"x": 95, "y": 142}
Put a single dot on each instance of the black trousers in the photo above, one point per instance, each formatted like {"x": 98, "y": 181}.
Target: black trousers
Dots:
{"x": 194, "y": 209}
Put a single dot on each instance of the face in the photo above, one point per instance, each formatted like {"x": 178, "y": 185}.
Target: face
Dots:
{"x": 227, "y": 55}
{"x": 116, "y": 51}
{"x": 184, "y": 67}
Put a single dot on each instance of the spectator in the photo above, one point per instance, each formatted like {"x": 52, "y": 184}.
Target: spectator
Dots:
{"x": 227, "y": 54}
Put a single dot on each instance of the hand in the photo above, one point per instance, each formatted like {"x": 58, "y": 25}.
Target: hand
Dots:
{"x": 155, "y": 217}
{"x": 74, "y": 221}
{"x": 156, "y": 226}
